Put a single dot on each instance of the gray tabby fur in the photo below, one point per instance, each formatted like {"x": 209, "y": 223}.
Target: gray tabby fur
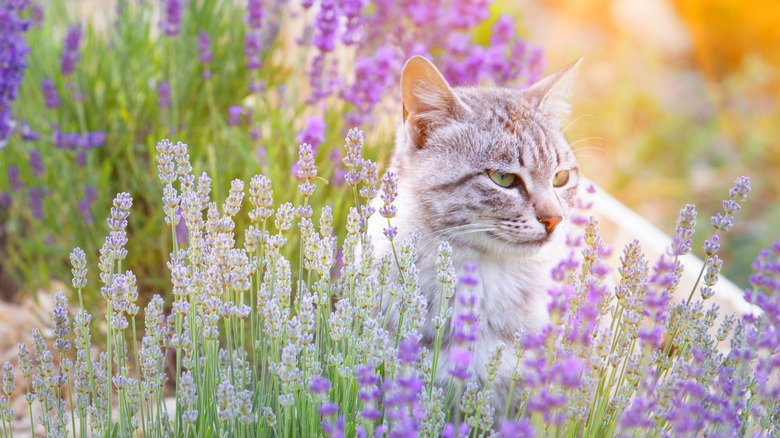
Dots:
{"x": 449, "y": 140}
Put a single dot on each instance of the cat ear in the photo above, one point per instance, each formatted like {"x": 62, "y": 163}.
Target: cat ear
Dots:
{"x": 551, "y": 94}
{"x": 427, "y": 98}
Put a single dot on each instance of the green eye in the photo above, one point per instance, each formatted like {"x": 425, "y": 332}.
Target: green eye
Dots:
{"x": 561, "y": 178}
{"x": 503, "y": 179}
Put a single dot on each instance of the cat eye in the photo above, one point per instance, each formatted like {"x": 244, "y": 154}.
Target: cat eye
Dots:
{"x": 504, "y": 179}
{"x": 561, "y": 178}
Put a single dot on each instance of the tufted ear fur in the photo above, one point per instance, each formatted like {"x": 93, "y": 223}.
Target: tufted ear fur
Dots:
{"x": 427, "y": 98}
{"x": 551, "y": 94}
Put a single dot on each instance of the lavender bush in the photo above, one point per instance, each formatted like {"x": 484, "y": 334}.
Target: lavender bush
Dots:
{"x": 243, "y": 348}
{"x": 82, "y": 111}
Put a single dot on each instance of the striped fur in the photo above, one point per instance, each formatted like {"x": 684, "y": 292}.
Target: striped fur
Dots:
{"x": 449, "y": 140}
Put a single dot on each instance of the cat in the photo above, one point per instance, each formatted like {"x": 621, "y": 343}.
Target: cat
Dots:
{"x": 490, "y": 171}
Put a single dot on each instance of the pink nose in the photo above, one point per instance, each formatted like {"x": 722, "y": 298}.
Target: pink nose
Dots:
{"x": 550, "y": 223}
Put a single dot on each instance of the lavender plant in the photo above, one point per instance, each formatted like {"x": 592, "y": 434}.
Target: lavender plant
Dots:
{"x": 97, "y": 91}
{"x": 244, "y": 347}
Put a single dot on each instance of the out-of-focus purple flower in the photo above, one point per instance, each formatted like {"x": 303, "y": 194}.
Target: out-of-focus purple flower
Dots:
{"x": 319, "y": 385}
{"x": 36, "y": 163}
{"x": 85, "y": 209}
{"x": 81, "y": 158}
{"x": 461, "y": 359}
{"x": 163, "y": 94}
{"x": 13, "y": 178}
{"x": 90, "y": 193}
{"x": 467, "y": 14}
{"x": 96, "y": 139}
{"x": 50, "y": 95}
{"x": 314, "y": 132}
{"x": 256, "y": 86}
{"x": 254, "y": 14}
{"x": 252, "y": 50}
{"x": 204, "y": 47}
{"x": 338, "y": 170}
{"x": 520, "y": 428}
{"x": 374, "y": 75}
{"x": 503, "y": 30}
{"x": 234, "y": 118}
{"x": 37, "y": 15}
{"x": 351, "y": 11}
{"x": 328, "y": 408}
{"x": 5, "y": 200}
{"x": 13, "y": 60}
{"x": 36, "y": 202}
{"x": 70, "y": 51}
{"x": 27, "y": 132}
{"x": 325, "y": 26}
{"x": 262, "y": 156}
{"x": 409, "y": 350}
{"x": 334, "y": 430}
{"x": 171, "y": 22}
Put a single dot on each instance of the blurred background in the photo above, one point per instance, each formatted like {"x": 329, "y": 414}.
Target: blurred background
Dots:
{"x": 676, "y": 98}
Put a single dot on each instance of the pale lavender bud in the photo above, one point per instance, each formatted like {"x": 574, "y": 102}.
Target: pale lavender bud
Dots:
{"x": 79, "y": 262}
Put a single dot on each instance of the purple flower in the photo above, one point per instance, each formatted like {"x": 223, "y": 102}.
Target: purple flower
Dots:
{"x": 81, "y": 158}
{"x": 50, "y": 95}
{"x": 204, "y": 47}
{"x": 468, "y": 277}
{"x": 13, "y": 60}
{"x": 326, "y": 409}
{"x": 70, "y": 52}
{"x": 27, "y": 132}
{"x": 314, "y": 132}
{"x": 461, "y": 358}
{"x": 254, "y": 14}
{"x": 182, "y": 234}
{"x": 503, "y": 30}
{"x": 235, "y": 115}
{"x": 37, "y": 15}
{"x": 163, "y": 95}
{"x": 252, "y": 50}
{"x": 5, "y": 200}
{"x": 13, "y": 178}
{"x": 334, "y": 430}
{"x": 325, "y": 26}
{"x": 36, "y": 202}
{"x": 374, "y": 76}
{"x": 90, "y": 193}
{"x": 171, "y": 22}
{"x": 86, "y": 211}
{"x": 409, "y": 350}
{"x": 96, "y": 139}
{"x": 520, "y": 428}
{"x": 319, "y": 385}
{"x": 36, "y": 164}
{"x": 262, "y": 156}
{"x": 256, "y": 86}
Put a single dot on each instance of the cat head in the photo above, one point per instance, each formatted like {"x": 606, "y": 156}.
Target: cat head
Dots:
{"x": 486, "y": 167}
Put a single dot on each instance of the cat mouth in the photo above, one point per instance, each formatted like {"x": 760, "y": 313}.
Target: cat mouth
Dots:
{"x": 533, "y": 243}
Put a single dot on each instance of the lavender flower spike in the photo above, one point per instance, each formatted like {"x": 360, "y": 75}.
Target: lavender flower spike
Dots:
{"x": 14, "y": 60}
{"x": 204, "y": 47}
{"x": 70, "y": 52}
{"x": 50, "y": 95}
{"x": 171, "y": 22}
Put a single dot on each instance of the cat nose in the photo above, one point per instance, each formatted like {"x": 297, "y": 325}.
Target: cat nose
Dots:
{"x": 550, "y": 223}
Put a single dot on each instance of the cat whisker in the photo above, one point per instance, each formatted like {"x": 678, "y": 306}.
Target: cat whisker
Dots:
{"x": 584, "y": 139}
{"x": 580, "y": 117}
{"x": 453, "y": 232}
